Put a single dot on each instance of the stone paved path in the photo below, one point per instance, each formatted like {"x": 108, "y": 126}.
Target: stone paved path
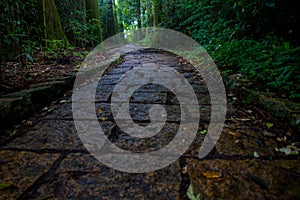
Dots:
{"x": 50, "y": 162}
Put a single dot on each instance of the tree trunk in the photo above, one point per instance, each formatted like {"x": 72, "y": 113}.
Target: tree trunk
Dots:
{"x": 119, "y": 21}
{"x": 93, "y": 17}
{"x": 111, "y": 25}
{"x": 49, "y": 22}
{"x": 85, "y": 33}
{"x": 149, "y": 11}
{"x": 115, "y": 16}
{"x": 156, "y": 12}
{"x": 139, "y": 33}
{"x": 138, "y": 13}
{"x": 119, "y": 14}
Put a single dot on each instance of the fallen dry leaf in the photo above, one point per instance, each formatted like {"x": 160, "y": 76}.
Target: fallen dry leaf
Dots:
{"x": 232, "y": 134}
{"x": 243, "y": 119}
{"x": 102, "y": 119}
{"x": 212, "y": 174}
{"x": 99, "y": 111}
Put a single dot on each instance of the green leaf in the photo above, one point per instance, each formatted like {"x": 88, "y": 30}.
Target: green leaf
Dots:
{"x": 13, "y": 133}
{"x": 63, "y": 101}
{"x": 234, "y": 98}
{"x": 203, "y": 132}
{"x": 269, "y": 125}
{"x": 287, "y": 151}
{"x": 45, "y": 108}
{"x": 287, "y": 45}
{"x": 191, "y": 195}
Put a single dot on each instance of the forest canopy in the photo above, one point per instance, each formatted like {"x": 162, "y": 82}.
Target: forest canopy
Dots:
{"x": 259, "y": 39}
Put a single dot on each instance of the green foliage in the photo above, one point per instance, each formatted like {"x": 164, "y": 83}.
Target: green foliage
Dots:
{"x": 244, "y": 37}
{"x": 127, "y": 13}
{"x": 108, "y": 18}
{"x": 17, "y": 24}
{"x": 78, "y": 28}
{"x": 22, "y": 34}
{"x": 258, "y": 38}
{"x": 210, "y": 20}
{"x": 55, "y": 45}
{"x": 268, "y": 62}
{"x": 127, "y": 10}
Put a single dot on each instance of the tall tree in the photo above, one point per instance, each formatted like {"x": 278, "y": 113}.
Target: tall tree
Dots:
{"x": 119, "y": 16}
{"x": 108, "y": 18}
{"x": 149, "y": 13}
{"x": 93, "y": 17}
{"x": 114, "y": 15}
{"x": 73, "y": 18}
{"x": 157, "y": 8}
{"x": 138, "y": 13}
{"x": 139, "y": 20}
{"x": 49, "y": 22}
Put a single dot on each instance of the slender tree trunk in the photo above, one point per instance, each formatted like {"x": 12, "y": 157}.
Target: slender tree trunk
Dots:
{"x": 111, "y": 25}
{"x": 139, "y": 21}
{"x": 156, "y": 12}
{"x": 115, "y": 16}
{"x": 119, "y": 21}
{"x": 84, "y": 34}
{"x": 138, "y": 13}
{"x": 149, "y": 18}
{"x": 119, "y": 14}
{"x": 93, "y": 17}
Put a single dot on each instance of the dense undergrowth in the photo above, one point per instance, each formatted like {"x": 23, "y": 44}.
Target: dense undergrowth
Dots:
{"x": 259, "y": 39}
{"x": 272, "y": 64}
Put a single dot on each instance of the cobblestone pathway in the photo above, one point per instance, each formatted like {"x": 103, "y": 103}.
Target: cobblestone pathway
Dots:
{"x": 50, "y": 161}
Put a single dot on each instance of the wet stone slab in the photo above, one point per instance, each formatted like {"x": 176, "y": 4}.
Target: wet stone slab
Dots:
{"x": 122, "y": 69}
{"x": 140, "y": 112}
{"x": 55, "y": 135}
{"x": 81, "y": 176}
{"x": 21, "y": 169}
{"x": 92, "y": 93}
{"x": 133, "y": 144}
{"x": 141, "y": 97}
{"x": 61, "y": 112}
{"x": 111, "y": 79}
{"x": 137, "y": 112}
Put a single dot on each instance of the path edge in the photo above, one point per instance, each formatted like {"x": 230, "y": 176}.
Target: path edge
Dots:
{"x": 278, "y": 108}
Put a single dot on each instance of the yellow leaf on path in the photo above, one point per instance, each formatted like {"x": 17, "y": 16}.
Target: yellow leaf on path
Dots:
{"x": 99, "y": 111}
{"x": 211, "y": 174}
{"x": 232, "y": 134}
{"x": 102, "y": 119}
